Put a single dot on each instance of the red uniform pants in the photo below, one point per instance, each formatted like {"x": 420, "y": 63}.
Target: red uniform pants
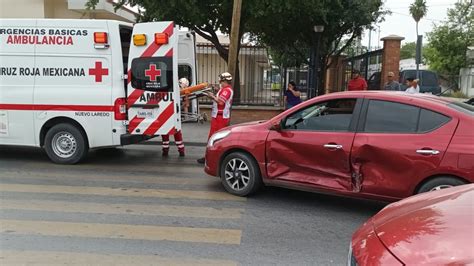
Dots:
{"x": 178, "y": 139}
{"x": 217, "y": 123}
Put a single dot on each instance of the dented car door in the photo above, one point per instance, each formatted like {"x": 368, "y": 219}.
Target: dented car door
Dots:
{"x": 314, "y": 144}
{"x": 396, "y": 146}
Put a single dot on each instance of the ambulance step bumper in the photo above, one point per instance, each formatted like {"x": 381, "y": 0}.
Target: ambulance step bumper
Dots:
{"x": 127, "y": 139}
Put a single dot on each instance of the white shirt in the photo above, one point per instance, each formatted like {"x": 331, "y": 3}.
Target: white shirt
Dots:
{"x": 412, "y": 90}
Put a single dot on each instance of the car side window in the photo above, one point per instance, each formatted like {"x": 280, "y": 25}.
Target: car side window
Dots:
{"x": 334, "y": 115}
{"x": 391, "y": 117}
{"x": 430, "y": 120}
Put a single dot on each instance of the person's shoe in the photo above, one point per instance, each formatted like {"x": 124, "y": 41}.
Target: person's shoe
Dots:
{"x": 181, "y": 154}
{"x": 164, "y": 154}
{"x": 201, "y": 160}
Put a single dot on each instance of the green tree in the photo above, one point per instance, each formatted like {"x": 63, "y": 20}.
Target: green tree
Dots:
{"x": 449, "y": 41}
{"x": 418, "y": 10}
{"x": 288, "y": 27}
{"x": 408, "y": 50}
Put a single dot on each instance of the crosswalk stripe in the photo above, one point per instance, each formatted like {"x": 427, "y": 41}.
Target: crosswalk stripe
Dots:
{"x": 125, "y": 192}
{"x": 133, "y": 209}
{"x": 141, "y": 179}
{"x": 122, "y": 231}
{"x": 12, "y": 257}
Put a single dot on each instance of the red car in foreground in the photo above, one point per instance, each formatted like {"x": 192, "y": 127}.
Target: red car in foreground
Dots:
{"x": 372, "y": 144}
{"x": 435, "y": 228}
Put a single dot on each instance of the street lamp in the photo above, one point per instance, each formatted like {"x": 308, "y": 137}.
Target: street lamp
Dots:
{"x": 318, "y": 29}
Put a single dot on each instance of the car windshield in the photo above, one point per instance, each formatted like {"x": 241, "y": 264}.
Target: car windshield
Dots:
{"x": 462, "y": 107}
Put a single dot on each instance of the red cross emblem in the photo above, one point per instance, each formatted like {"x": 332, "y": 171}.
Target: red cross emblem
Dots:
{"x": 152, "y": 72}
{"x": 98, "y": 71}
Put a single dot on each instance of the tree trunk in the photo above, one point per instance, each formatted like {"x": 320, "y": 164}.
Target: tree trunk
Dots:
{"x": 416, "y": 54}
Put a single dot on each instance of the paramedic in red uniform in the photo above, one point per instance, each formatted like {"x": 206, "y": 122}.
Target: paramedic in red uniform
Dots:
{"x": 357, "y": 83}
{"x": 178, "y": 135}
{"x": 221, "y": 106}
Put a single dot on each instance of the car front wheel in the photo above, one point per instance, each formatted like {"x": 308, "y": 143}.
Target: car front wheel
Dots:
{"x": 240, "y": 174}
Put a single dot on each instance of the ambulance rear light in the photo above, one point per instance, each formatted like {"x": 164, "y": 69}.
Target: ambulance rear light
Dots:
{"x": 161, "y": 38}
{"x": 139, "y": 39}
{"x": 120, "y": 109}
{"x": 101, "y": 40}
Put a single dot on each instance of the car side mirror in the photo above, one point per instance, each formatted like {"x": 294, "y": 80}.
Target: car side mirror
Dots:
{"x": 276, "y": 126}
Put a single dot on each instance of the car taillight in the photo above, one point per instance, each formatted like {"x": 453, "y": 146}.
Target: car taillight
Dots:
{"x": 120, "y": 109}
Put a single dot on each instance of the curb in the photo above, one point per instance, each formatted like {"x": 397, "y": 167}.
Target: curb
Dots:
{"x": 191, "y": 144}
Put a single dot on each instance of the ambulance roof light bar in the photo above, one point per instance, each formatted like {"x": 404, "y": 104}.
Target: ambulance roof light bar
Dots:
{"x": 100, "y": 40}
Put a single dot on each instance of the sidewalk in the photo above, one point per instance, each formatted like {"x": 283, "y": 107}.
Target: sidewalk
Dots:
{"x": 194, "y": 134}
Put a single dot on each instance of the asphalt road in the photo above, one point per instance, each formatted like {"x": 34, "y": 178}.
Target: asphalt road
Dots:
{"x": 130, "y": 206}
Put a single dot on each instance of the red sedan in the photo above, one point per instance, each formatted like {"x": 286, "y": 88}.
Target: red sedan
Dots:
{"x": 435, "y": 228}
{"x": 372, "y": 144}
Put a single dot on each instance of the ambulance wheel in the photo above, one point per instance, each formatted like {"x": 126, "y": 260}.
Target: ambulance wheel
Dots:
{"x": 240, "y": 174}
{"x": 65, "y": 144}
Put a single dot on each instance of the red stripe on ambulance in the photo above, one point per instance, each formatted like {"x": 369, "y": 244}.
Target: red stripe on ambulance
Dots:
{"x": 161, "y": 120}
{"x": 56, "y": 107}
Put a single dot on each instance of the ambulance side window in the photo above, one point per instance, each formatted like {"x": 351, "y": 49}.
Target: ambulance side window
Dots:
{"x": 185, "y": 71}
{"x": 125, "y": 39}
{"x": 152, "y": 74}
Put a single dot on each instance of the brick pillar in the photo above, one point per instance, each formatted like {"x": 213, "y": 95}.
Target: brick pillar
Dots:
{"x": 390, "y": 57}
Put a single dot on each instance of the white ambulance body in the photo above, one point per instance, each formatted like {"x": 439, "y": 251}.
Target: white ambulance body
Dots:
{"x": 71, "y": 85}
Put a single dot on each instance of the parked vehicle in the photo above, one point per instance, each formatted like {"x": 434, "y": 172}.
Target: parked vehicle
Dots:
{"x": 429, "y": 80}
{"x": 433, "y": 228}
{"x": 73, "y": 85}
{"x": 371, "y": 144}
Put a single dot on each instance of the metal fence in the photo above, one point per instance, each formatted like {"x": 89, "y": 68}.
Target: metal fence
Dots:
{"x": 260, "y": 81}
{"x": 369, "y": 64}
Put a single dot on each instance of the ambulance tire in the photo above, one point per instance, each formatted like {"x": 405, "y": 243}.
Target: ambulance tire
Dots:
{"x": 240, "y": 174}
{"x": 65, "y": 144}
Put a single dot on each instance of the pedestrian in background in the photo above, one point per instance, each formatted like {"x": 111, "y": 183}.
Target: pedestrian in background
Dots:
{"x": 357, "y": 83}
{"x": 222, "y": 103}
{"x": 392, "y": 84}
{"x": 292, "y": 95}
{"x": 412, "y": 86}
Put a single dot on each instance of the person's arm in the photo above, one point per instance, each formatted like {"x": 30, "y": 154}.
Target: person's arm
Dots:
{"x": 216, "y": 99}
{"x": 295, "y": 92}
{"x": 364, "y": 85}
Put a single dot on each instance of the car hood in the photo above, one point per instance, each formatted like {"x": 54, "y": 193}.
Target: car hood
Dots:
{"x": 431, "y": 228}
{"x": 242, "y": 126}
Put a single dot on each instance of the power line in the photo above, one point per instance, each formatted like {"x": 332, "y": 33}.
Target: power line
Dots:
{"x": 403, "y": 7}
{"x": 407, "y": 15}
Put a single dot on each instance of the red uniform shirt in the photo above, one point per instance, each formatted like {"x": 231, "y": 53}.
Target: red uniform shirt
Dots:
{"x": 225, "y": 94}
{"x": 357, "y": 84}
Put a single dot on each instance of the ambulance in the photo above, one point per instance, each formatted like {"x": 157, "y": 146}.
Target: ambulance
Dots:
{"x": 73, "y": 85}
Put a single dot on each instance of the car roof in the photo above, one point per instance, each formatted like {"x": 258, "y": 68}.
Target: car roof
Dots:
{"x": 397, "y": 95}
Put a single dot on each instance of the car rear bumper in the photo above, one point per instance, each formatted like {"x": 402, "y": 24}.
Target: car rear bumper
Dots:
{"x": 127, "y": 139}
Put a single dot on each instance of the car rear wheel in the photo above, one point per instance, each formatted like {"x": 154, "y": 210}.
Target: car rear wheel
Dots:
{"x": 439, "y": 183}
{"x": 240, "y": 174}
{"x": 65, "y": 144}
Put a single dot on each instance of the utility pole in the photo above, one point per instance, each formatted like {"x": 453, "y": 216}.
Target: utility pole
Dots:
{"x": 234, "y": 39}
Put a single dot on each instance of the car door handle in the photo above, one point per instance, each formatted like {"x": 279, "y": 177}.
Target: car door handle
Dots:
{"x": 333, "y": 146}
{"x": 427, "y": 152}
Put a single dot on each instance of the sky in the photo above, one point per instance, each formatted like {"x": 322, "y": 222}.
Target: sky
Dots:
{"x": 401, "y": 23}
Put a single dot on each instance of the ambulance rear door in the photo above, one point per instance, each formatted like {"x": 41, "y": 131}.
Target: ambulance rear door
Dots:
{"x": 153, "y": 98}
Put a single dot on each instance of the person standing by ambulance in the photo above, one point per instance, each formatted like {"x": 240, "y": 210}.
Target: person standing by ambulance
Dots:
{"x": 222, "y": 103}
{"x": 178, "y": 135}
